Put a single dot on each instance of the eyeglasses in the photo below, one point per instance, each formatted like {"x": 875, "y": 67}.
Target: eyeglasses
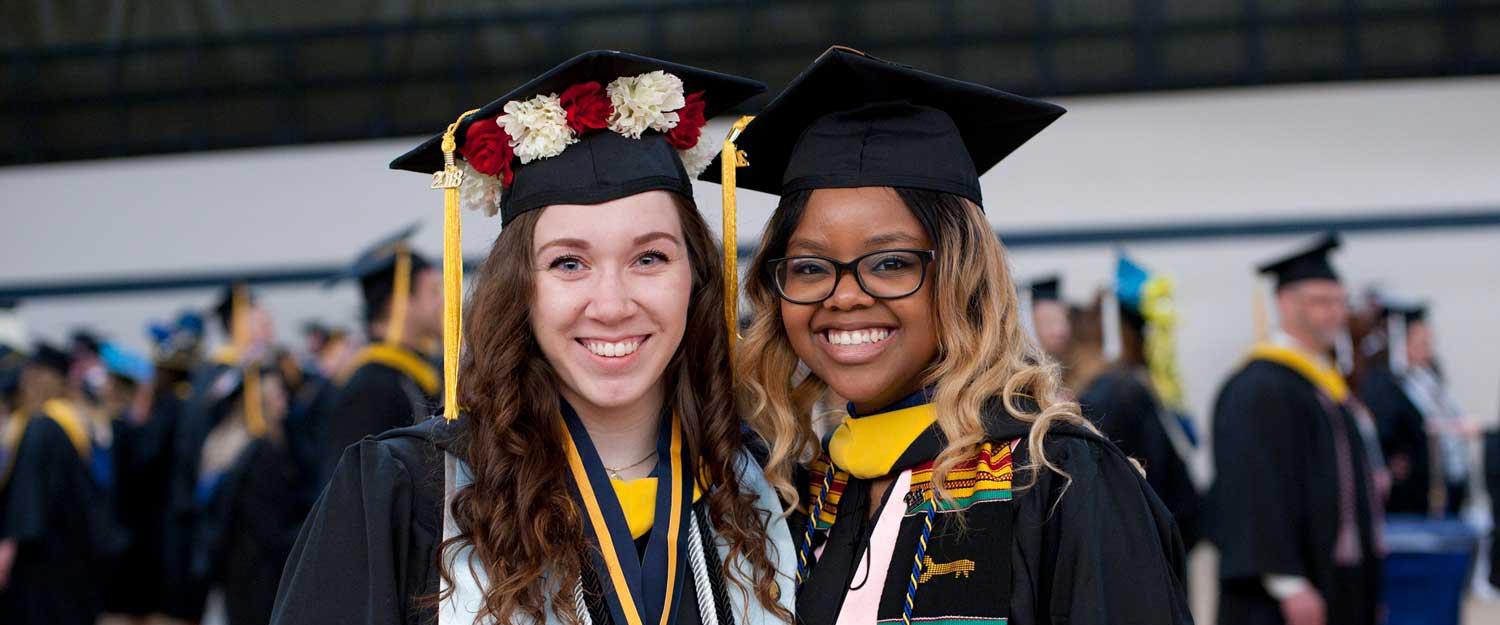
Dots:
{"x": 883, "y": 274}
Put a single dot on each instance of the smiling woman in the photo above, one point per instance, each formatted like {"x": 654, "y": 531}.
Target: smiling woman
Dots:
{"x": 961, "y": 487}
{"x": 597, "y": 472}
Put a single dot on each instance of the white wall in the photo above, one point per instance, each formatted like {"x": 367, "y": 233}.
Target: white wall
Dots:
{"x": 1347, "y": 149}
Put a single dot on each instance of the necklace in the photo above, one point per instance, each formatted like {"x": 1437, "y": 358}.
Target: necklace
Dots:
{"x": 614, "y": 473}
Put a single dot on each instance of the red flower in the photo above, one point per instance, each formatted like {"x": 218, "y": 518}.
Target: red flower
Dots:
{"x": 487, "y": 149}
{"x": 588, "y": 107}
{"x": 690, "y": 123}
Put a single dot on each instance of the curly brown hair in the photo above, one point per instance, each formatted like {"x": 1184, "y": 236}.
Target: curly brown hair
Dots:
{"x": 518, "y": 515}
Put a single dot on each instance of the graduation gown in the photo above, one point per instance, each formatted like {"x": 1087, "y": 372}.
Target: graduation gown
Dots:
{"x": 368, "y": 552}
{"x": 389, "y": 387}
{"x": 59, "y": 517}
{"x": 1101, "y": 550}
{"x": 245, "y": 533}
{"x": 1128, "y": 413}
{"x": 1404, "y": 440}
{"x": 183, "y": 593}
{"x": 1292, "y": 477}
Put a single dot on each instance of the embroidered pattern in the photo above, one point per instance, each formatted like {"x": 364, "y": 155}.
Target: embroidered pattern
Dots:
{"x": 959, "y": 569}
{"x": 984, "y": 477}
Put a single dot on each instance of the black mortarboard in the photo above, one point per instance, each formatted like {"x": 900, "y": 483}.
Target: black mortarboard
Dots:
{"x": 45, "y": 355}
{"x": 85, "y": 340}
{"x": 1409, "y": 310}
{"x": 602, "y": 165}
{"x": 1307, "y": 263}
{"x": 1046, "y": 289}
{"x": 852, "y": 120}
{"x": 223, "y": 308}
{"x": 375, "y": 268}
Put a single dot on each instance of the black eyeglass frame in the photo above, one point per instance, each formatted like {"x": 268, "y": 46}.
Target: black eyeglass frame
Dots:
{"x": 852, "y": 267}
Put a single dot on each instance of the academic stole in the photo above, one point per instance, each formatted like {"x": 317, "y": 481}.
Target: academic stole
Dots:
{"x": 637, "y": 591}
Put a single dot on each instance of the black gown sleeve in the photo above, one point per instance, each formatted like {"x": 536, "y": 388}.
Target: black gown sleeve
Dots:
{"x": 354, "y": 559}
{"x": 38, "y": 482}
{"x": 1130, "y": 415}
{"x": 372, "y": 401}
{"x": 1261, "y": 435}
{"x": 1100, "y": 549}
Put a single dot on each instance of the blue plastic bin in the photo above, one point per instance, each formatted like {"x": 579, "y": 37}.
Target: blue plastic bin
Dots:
{"x": 1427, "y": 569}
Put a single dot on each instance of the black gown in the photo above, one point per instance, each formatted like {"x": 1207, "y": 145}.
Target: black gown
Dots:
{"x": 59, "y": 517}
{"x": 1404, "y": 440}
{"x": 1128, "y": 413}
{"x": 1099, "y": 550}
{"x": 376, "y": 397}
{"x": 1276, "y": 501}
{"x": 183, "y": 593}
{"x": 368, "y": 551}
{"x": 247, "y": 530}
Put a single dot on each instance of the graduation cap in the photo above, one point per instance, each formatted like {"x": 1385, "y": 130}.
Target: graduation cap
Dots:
{"x": 47, "y": 356}
{"x": 1398, "y": 314}
{"x": 385, "y": 271}
{"x": 121, "y": 362}
{"x": 1048, "y": 289}
{"x": 601, "y": 126}
{"x": 232, "y": 309}
{"x": 853, "y": 120}
{"x": 224, "y": 308}
{"x": 1044, "y": 289}
{"x": 175, "y": 345}
{"x": 1409, "y": 311}
{"x": 1306, "y": 263}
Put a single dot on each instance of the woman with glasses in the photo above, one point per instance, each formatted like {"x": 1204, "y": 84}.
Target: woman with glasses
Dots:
{"x": 960, "y": 488}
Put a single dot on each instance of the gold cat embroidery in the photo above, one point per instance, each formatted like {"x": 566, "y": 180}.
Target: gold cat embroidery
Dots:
{"x": 957, "y": 568}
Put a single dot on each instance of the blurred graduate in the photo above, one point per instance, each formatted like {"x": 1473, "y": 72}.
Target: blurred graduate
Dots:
{"x": 56, "y": 528}
{"x": 1425, "y": 435}
{"x": 1137, "y": 402}
{"x": 393, "y": 382}
{"x": 1296, "y": 514}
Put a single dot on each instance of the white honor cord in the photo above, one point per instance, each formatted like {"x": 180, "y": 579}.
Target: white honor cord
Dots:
{"x": 707, "y": 613}
{"x": 580, "y": 606}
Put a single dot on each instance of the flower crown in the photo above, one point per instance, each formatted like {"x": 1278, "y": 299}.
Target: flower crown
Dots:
{"x": 545, "y": 125}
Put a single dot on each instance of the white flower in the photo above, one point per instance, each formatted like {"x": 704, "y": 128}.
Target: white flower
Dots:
{"x": 696, "y": 159}
{"x": 645, "y": 101}
{"x": 538, "y": 127}
{"x": 478, "y": 192}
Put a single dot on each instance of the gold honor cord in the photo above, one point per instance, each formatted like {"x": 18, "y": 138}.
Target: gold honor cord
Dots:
{"x": 601, "y": 531}
{"x": 729, "y": 160}
{"x": 395, "y": 329}
{"x": 255, "y": 421}
{"x": 449, "y": 180}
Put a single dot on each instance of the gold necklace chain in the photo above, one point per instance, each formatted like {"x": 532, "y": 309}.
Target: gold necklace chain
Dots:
{"x": 615, "y": 473}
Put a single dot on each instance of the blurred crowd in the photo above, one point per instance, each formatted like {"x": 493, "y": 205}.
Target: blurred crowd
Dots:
{"x": 138, "y": 482}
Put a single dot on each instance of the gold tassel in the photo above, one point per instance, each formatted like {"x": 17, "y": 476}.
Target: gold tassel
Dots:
{"x": 255, "y": 421}
{"x": 400, "y": 293}
{"x": 731, "y": 159}
{"x": 453, "y": 267}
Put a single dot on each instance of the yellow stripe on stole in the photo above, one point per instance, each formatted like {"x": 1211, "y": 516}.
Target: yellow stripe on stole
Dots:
{"x": 607, "y": 547}
{"x": 398, "y": 358}
{"x": 1322, "y": 376}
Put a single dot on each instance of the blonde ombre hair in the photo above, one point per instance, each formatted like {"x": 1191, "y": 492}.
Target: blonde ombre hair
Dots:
{"x": 983, "y": 351}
